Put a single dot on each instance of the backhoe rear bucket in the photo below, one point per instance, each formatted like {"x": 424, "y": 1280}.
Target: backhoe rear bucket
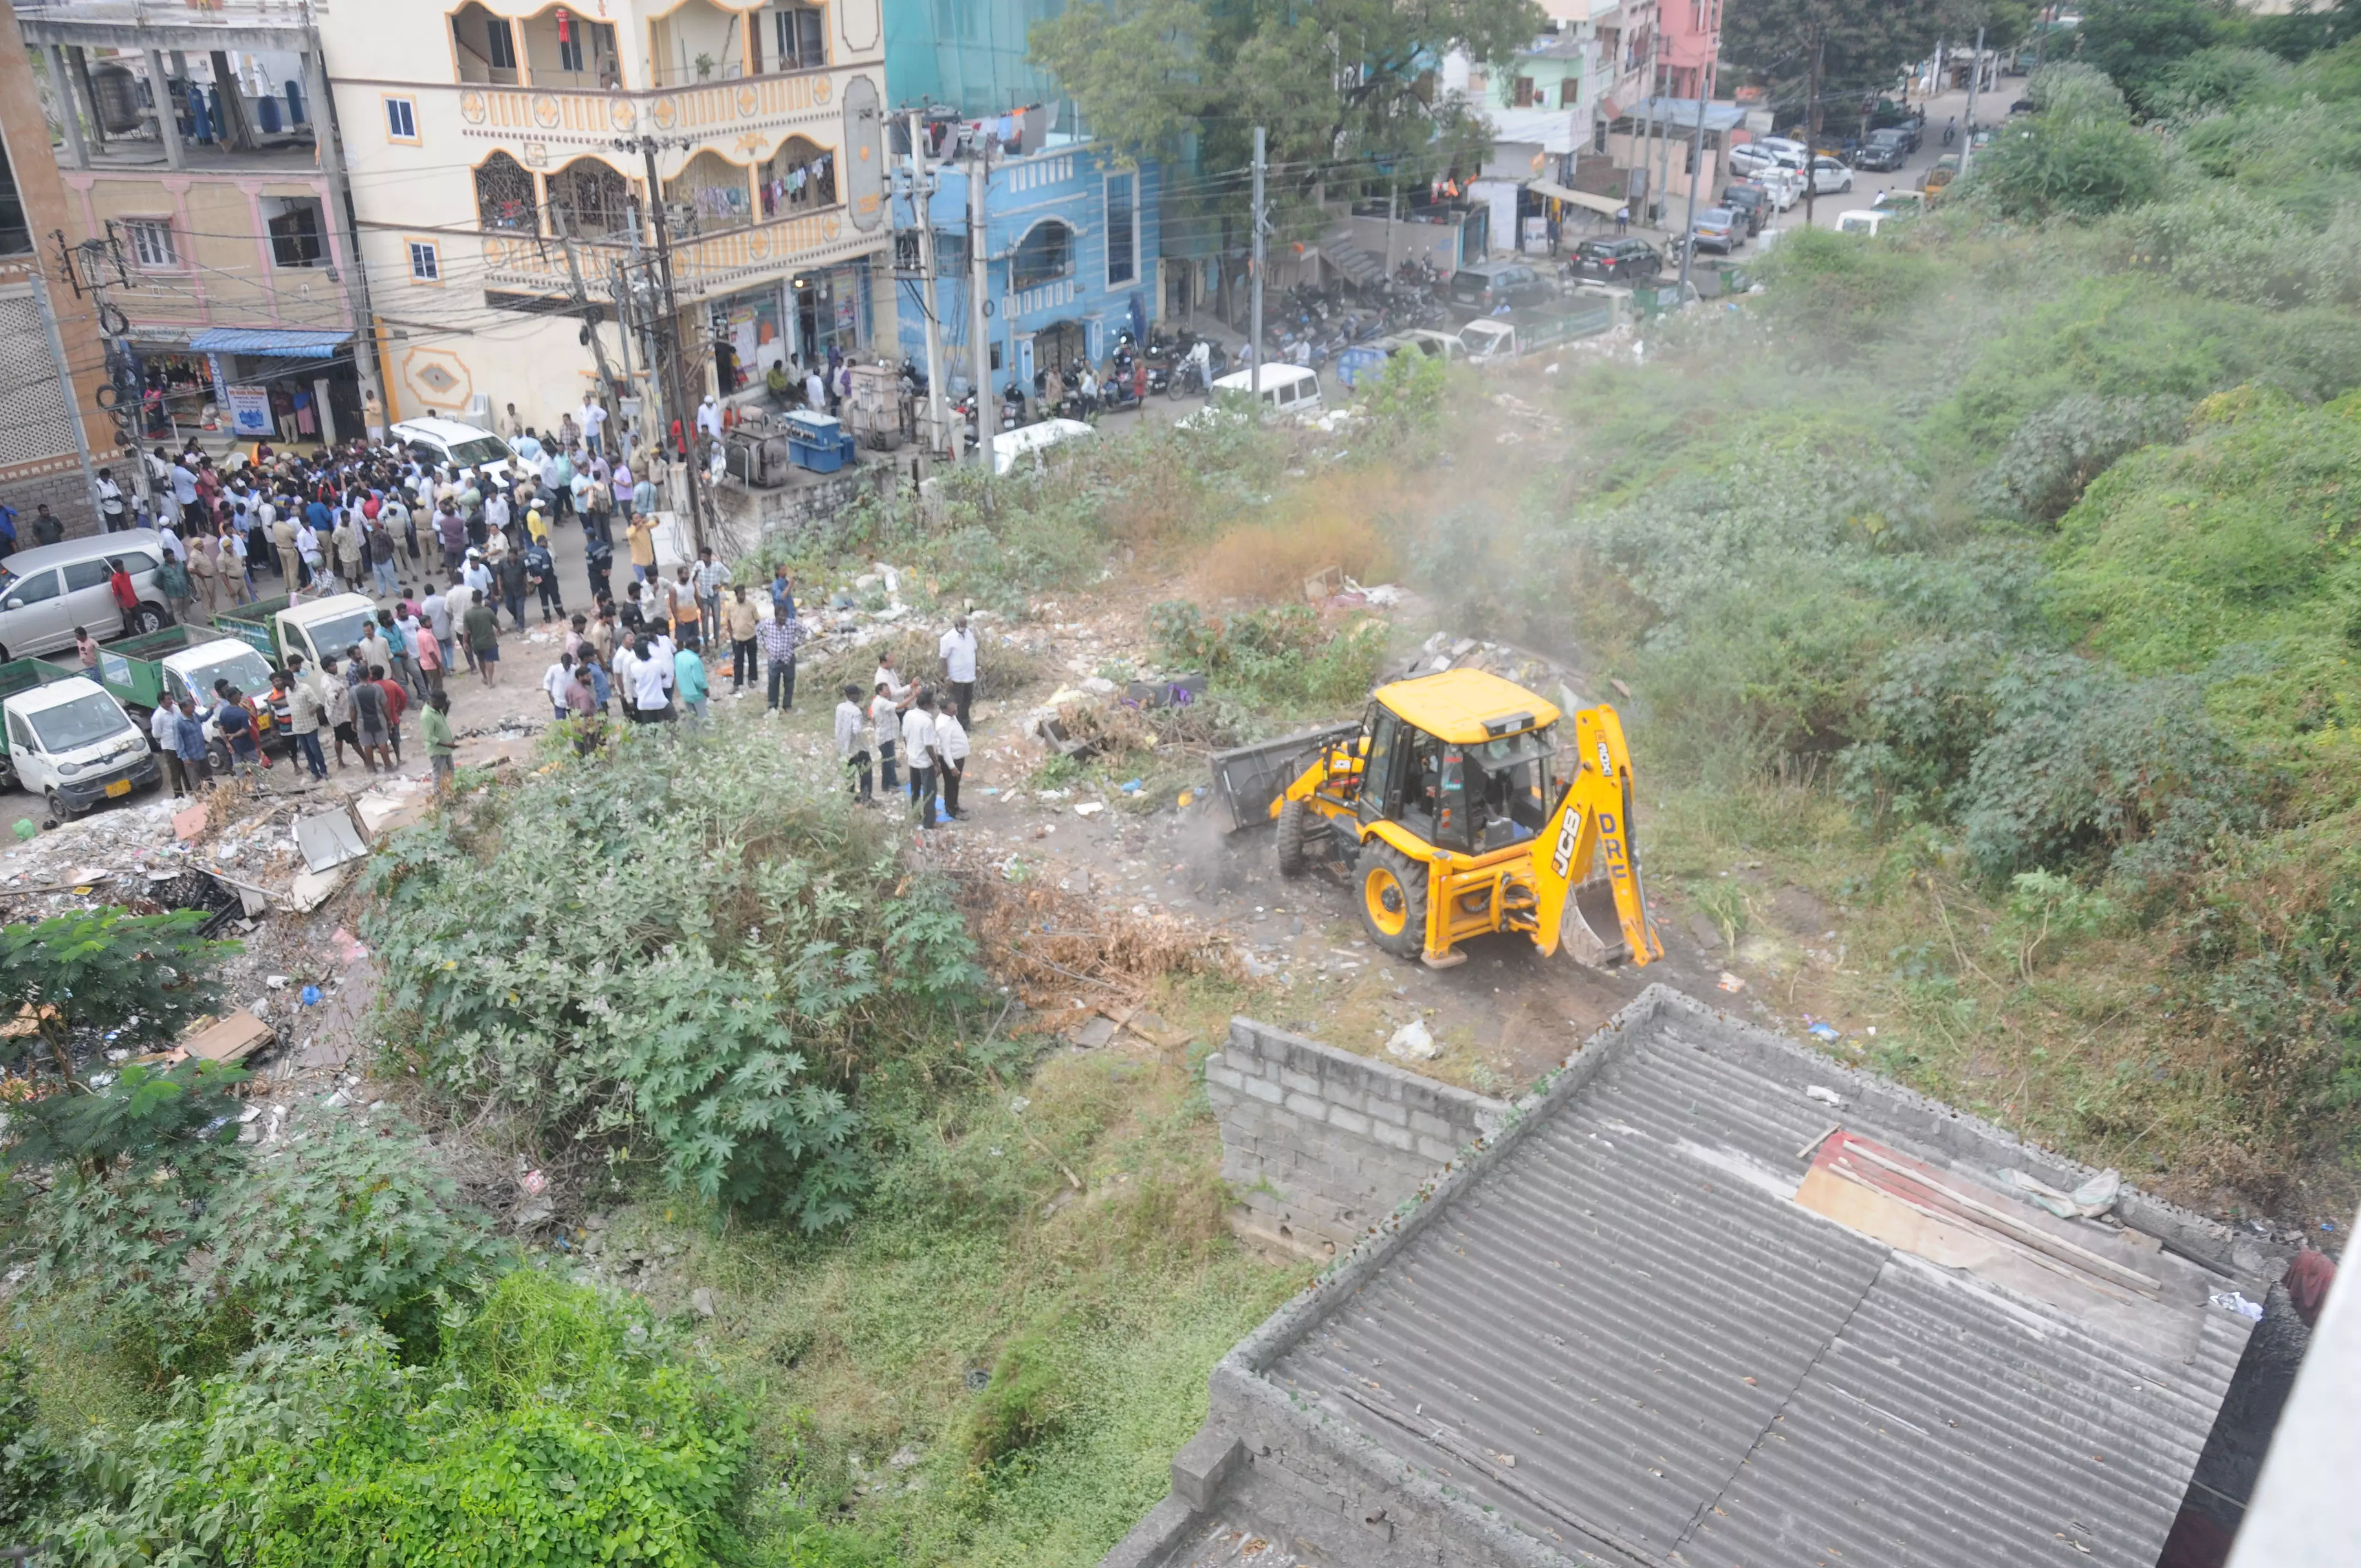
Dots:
{"x": 1589, "y": 912}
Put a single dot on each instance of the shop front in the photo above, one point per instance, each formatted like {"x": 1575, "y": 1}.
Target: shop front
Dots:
{"x": 831, "y": 306}
{"x": 749, "y": 334}
{"x": 177, "y": 398}
{"x": 294, "y": 388}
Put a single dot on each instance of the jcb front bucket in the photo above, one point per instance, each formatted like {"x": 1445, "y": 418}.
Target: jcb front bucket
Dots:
{"x": 1589, "y": 913}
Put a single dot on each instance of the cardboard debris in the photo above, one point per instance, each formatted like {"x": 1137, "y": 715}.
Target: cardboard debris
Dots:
{"x": 381, "y": 814}
{"x": 188, "y": 824}
{"x": 328, "y": 838}
{"x": 312, "y": 888}
{"x": 233, "y": 1039}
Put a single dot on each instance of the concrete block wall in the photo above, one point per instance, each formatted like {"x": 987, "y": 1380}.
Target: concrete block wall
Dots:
{"x": 1321, "y": 1144}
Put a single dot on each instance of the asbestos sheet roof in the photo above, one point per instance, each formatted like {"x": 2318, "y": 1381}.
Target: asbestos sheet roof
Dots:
{"x": 1621, "y": 1330}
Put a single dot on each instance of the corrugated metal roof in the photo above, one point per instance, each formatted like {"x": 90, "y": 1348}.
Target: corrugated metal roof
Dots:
{"x": 276, "y": 342}
{"x": 1627, "y": 1335}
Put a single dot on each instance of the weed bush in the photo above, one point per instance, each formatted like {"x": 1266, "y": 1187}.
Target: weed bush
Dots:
{"x": 1281, "y": 658}
{"x": 688, "y": 948}
{"x": 558, "y": 1426}
{"x": 216, "y": 1249}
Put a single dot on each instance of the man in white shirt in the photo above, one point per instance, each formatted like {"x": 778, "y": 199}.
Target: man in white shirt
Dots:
{"x": 495, "y": 511}
{"x": 815, "y": 392}
{"x": 624, "y": 667}
{"x": 852, "y": 743}
{"x": 554, "y": 680}
{"x": 651, "y": 679}
{"x": 918, "y": 749}
{"x": 958, "y": 650}
{"x": 884, "y": 733}
{"x": 477, "y": 577}
{"x": 113, "y": 513}
{"x": 591, "y": 418}
{"x": 950, "y": 761}
{"x": 708, "y": 417}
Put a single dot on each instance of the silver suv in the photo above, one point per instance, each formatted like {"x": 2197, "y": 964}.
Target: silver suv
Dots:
{"x": 47, "y": 591}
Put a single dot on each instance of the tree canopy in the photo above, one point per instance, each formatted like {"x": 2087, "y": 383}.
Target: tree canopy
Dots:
{"x": 1346, "y": 88}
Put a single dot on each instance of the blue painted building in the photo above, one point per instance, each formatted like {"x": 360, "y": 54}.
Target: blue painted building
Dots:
{"x": 1071, "y": 244}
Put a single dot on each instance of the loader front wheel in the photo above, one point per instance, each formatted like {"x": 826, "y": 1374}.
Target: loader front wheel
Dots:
{"x": 1294, "y": 829}
{"x": 1393, "y": 900}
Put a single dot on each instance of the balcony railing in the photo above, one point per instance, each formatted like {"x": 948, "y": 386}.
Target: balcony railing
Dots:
{"x": 176, "y": 13}
{"x": 553, "y": 114}
{"x": 705, "y": 265}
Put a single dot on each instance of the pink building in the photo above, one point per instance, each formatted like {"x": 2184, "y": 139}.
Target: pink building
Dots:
{"x": 1689, "y": 36}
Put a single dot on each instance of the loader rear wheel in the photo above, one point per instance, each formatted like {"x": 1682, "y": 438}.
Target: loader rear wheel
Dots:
{"x": 1393, "y": 900}
{"x": 1295, "y": 828}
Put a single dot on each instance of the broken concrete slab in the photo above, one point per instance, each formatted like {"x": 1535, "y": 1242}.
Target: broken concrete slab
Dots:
{"x": 312, "y": 888}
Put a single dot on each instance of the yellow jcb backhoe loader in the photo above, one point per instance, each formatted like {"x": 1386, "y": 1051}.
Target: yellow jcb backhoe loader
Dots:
{"x": 1454, "y": 811}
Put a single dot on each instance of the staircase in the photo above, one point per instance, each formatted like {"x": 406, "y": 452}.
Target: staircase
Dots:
{"x": 1361, "y": 267}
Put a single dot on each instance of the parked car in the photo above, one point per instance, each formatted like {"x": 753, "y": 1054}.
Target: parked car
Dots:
{"x": 1751, "y": 201}
{"x": 439, "y": 440}
{"x": 1747, "y": 158}
{"x": 47, "y": 591}
{"x": 1625, "y": 260}
{"x": 1781, "y": 144}
{"x": 1718, "y": 229}
{"x": 1787, "y": 186}
{"x": 1487, "y": 286}
{"x": 1884, "y": 151}
{"x": 1829, "y": 174}
{"x": 1861, "y": 220}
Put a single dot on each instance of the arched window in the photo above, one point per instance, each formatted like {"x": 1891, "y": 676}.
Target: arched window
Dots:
{"x": 504, "y": 196}
{"x": 1044, "y": 255}
{"x": 798, "y": 178}
{"x": 709, "y": 195}
{"x": 592, "y": 200}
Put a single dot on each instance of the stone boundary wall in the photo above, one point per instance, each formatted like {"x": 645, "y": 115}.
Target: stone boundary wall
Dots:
{"x": 1321, "y": 1144}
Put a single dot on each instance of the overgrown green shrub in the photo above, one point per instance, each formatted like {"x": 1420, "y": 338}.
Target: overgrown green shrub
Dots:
{"x": 1025, "y": 1401}
{"x": 2053, "y": 456}
{"x": 218, "y": 1250}
{"x": 559, "y": 1426}
{"x": 688, "y": 948}
{"x": 2058, "y": 165}
{"x": 1279, "y": 657}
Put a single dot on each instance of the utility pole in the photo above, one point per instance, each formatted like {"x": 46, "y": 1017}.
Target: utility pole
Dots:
{"x": 1696, "y": 175}
{"x": 1975, "y": 79}
{"x": 1811, "y": 129}
{"x": 589, "y": 313}
{"x": 979, "y": 284}
{"x": 668, "y": 345}
{"x": 87, "y": 268}
{"x": 922, "y": 190}
{"x": 1254, "y": 273}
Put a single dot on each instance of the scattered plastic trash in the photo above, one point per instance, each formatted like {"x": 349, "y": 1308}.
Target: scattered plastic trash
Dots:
{"x": 1089, "y": 808}
{"x": 1131, "y": 788}
{"x": 1413, "y": 1042}
{"x": 2231, "y": 1301}
{"x": 533, "y": 1182}
{"x": 1187, "y": 795}
{"x": 1823, "y": 1032}
{"x": 1018, "y": 1104}
{"x": 1730, "y": 982}
{"x": 1825, "y": 1095}
{"x": 25, "y": 828}
{"x": 311, "y": 997}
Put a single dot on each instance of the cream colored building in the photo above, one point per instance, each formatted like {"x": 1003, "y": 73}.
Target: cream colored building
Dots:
{"x": 481, "y": 138}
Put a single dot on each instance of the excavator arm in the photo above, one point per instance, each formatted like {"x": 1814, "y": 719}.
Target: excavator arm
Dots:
{"x": 1592, "y": 825}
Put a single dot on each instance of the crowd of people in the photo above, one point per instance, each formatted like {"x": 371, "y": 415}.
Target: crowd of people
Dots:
{"x": 448, "y": 551}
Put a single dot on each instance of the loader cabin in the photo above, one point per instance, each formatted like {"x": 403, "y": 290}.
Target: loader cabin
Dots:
{"x": 1461, "y": 759}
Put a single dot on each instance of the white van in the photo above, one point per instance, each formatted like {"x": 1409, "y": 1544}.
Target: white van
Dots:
{"x": 1861, "y": 220}
{"x": 1011, "y": 448}
{"x": 47, "y": 591}
{"x": 1291, "y": 389}
{"x": 71, "y": 742}
{"x": 436, "y": 442}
